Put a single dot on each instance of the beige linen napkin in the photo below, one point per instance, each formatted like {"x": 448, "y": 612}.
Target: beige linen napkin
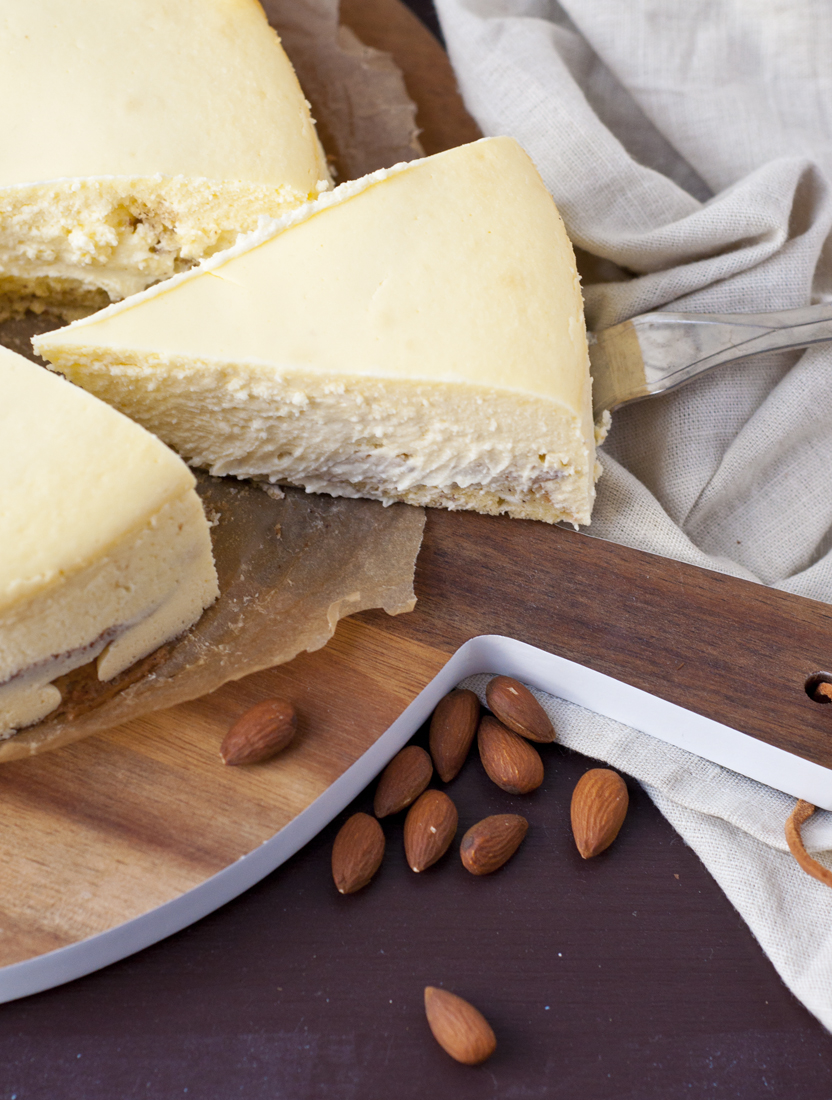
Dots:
{"x": 689, "y": 149}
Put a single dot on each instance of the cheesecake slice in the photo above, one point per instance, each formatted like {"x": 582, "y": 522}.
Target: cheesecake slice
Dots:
{"x": 138, "y": 139}
{"x": 416, "y": 335}
{"x": 105, "y": 551}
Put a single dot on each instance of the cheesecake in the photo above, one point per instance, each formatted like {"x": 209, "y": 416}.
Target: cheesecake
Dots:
{"x": 105, "y": 551}
{"x": 143, "y": 138}
{"x": 416, "y": 335}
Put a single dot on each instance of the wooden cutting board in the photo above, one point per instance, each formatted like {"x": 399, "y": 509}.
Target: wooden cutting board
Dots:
{"x": 115, "y": 826}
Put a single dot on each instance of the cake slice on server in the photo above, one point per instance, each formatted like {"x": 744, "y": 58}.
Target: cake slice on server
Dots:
{"x": 104, "y": 547}
{"x": 416, "y": 335}
{"x": 138, "y": 138}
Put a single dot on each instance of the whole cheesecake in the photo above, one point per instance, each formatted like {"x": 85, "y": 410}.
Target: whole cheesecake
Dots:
{"x": 105, "y": 551}
{"x": 416, "y": 335}
{"x": 144, "y": 136}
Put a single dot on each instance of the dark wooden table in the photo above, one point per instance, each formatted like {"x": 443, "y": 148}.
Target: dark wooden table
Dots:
{"x": 630, "y": 977}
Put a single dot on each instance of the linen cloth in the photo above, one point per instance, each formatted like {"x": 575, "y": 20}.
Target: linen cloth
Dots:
{"x": 689, "y": 149}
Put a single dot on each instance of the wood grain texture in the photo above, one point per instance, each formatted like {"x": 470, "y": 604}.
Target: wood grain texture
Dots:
{"x": 108, "y": 828}
{"x": 735, "y": 651}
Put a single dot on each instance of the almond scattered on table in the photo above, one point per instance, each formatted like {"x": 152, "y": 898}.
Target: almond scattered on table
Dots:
{"x": 402, "y": 781}
{"x": 518, "y": 709}
{"x": 492, "y": 842}
{"x": 509, "y": 760}
{"x": 262, "y": 732}
{"x": 452, "y": 730}
{"x": 357, "y": 853}
{"x": 459, "y": 1028}
{"x": 429, "y": 828}
{"x": 599, "y": 806}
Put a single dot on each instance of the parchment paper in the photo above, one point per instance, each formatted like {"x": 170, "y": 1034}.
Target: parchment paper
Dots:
{"x": 289, "y": 568}
{"x": 365, "y": 118}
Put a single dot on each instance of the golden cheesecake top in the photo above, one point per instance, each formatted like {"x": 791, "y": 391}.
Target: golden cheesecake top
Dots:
{"x": 411, "y": 273}
{"x": 200, "y": 88}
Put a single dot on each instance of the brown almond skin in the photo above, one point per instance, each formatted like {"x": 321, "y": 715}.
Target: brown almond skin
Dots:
{"x": 459, "y": 1028}
{"x": 402, "y": 781}
{"x": 518, "y": 709}
{"x": 492, "y": 842}
{"x": 599, "y": 806}
{"x": 429, "y": 828}
{"x": 357, "y": 853}
{"x": 264, "y": 730}
{"x": 452, "y": 730}
{"x": 509, "y": 760}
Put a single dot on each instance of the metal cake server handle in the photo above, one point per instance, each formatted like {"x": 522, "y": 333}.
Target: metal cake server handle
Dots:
{"x": 656, "y": 352}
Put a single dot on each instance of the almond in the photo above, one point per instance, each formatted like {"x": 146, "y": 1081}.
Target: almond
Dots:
{"x": 599, "y": 806}
{"x": 459, "y": 1028}
{"x": 510, "y": 762}
{"x": 491, "y": 842}
{"x": 452, "y": 730}
{"x": 429, "y": 829}
{"x": 518, "y": 709}
{"x": 402, "y": 781}
{"x": 267, "y": 728}
{"x": 357, "y": 853}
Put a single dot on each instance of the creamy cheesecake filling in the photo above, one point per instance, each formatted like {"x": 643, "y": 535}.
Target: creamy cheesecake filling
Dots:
{"x": 22, "y": 704}
{"x": 72, "y": 246}
{"x": 147, "y": 589}
{"x": 439, "y": 444}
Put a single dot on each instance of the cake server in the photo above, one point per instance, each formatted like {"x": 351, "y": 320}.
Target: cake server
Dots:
{"x": 656, "y": 352}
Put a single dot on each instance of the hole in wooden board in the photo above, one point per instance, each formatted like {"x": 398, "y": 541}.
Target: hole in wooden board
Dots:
{"x": 819, "y": 687}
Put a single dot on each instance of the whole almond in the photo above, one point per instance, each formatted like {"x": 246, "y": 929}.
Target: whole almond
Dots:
{"x": 599, "y": 806}
{"x": 452, "y": 730}
{"x": 429, "y": 828}
{"x": 510, "y": 761}
{"x": 459, "y": 1028}
{"x": 492, "y": 842}
{"x": 402, "y": 781}
{"x": 357, "y": 853}
{"x": 518, "y": 709}
{"x": 264, "y": 730}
